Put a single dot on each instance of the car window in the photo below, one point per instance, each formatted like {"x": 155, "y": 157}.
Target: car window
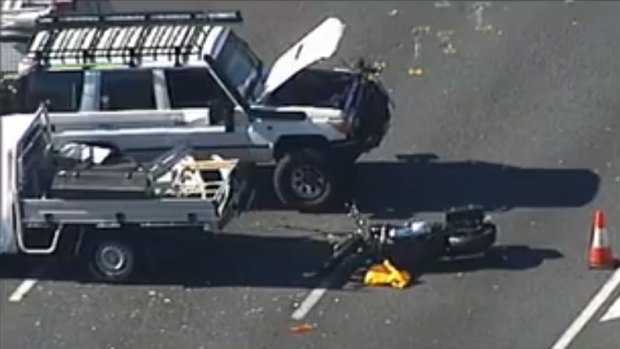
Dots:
{"x": 63, "y": 90}
{"x": 193, "y": 88}
{"x": 126, "y": 90}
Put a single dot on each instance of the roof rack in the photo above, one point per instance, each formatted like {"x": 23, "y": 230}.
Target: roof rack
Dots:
{"x": 88, "y": 39}
{"x": 138, "y": 18}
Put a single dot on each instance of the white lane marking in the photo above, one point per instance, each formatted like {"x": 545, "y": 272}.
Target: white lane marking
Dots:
{"x": 579, "y": 323}
{"x": 317, "y": 293}
{"x": 613, "y": 313}
{"x": 22, "y": 290}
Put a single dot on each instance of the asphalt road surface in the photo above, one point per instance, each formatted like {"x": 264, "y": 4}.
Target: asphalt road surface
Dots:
{"x": 517, "y": 112}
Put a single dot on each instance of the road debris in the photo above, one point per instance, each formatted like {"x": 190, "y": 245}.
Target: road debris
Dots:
{"x": 445, "y": 41}
{"x": 393, "y": 13}
{"x": 415, "y": 72}
{"x": 167, "y": 300}
{"x": 300, "y": 329}
{"x": 252, "y": 311}
{"x": 442, "y": 4}
{"x": 418, "y": 32}
{"x": 478, "y": 8}
{"x": 152, "y": 293}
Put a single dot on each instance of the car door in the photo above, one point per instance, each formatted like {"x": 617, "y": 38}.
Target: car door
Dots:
{"x": 213, "y": 123}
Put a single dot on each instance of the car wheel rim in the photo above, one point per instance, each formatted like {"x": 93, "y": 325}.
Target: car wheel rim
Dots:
{"x": 111, "y": 259}
{"x": 307, "y": 182}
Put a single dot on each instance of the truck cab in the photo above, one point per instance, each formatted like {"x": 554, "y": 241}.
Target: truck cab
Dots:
{"x": 140, "y": 83}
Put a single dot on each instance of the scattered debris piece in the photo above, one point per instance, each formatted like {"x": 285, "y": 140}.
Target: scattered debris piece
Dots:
{"x": 393, "y": 13}
{"x": 167, "y": 300}
{"x": 442, "y": 4}
{"x": 574, "y": 22}
{"x": 418, "y": 32}
{"x": 300, "y": 329}
{"x": 416, "y": 72}
{"x": 500, "y": 32}
{"x": 258, "y": 310}
{"x": 478, "y": 8}
{"x": 445, "y": 41}
{"x": 152, "y": 293}
{"x": 309, "y": 274}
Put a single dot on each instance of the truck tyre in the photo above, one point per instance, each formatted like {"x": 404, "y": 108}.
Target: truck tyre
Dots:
{"x": 305, "y": 180}
{"x": 110, "y": 259}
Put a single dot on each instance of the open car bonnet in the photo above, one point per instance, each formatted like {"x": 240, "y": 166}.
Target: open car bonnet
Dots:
{"x": 321, "y": 43}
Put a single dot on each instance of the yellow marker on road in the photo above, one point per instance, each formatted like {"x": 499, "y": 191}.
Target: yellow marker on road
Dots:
{"x": 416, "y": 72}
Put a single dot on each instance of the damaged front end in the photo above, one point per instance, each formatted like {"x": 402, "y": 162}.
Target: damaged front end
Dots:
{"x": 362, "y": 99}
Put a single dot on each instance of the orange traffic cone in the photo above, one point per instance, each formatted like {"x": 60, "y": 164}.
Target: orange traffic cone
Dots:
{"x": 601, "y": 255}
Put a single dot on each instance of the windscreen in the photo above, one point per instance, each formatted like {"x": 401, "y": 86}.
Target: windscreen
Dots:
{"x": 239, "y": 64}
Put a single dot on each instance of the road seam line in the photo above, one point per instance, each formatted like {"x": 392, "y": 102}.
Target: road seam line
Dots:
{"x": 588, "y": 312}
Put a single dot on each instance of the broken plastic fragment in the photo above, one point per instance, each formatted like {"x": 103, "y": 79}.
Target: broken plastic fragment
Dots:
{"x": 305, "y": 328}
{"x": 484, "y": 28}
{"x": 416, "y": 72}
{"x": 445, "y": 41}
{"x": 394, "y": 12}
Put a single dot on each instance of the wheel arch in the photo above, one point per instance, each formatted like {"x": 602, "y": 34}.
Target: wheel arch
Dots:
{"x": 289, "y": 142}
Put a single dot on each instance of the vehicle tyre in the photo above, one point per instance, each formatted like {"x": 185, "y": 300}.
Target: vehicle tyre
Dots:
{"x": 111, "y": 259}
{"x": 473, "y": 244}
{"x": 305, "y": 180}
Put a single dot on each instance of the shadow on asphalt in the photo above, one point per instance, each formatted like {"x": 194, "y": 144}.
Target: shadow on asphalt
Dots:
{"x": 511, "y": 258}
{"x": 224, "y": 260}
{"x": 421, "y": 183}
{"x": 275, "y": 262}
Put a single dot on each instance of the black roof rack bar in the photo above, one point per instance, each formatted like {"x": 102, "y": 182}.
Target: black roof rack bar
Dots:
{"x": 139, "y": 18}
{"x": 121, "y": 52}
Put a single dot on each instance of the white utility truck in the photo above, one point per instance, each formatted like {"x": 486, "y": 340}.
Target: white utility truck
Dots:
{"x": 140, "y": 83}
{"x": 75, "y": 206}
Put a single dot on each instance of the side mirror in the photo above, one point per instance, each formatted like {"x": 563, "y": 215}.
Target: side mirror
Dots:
{"x": 222, "y": 113}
